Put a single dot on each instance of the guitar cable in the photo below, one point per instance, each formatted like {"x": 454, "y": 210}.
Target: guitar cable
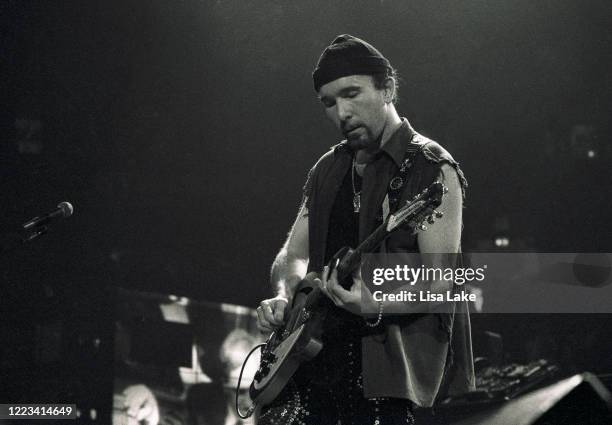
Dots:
{"x": 253, "y": 406}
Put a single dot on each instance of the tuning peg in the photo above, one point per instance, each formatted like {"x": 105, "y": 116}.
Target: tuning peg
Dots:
{"x": 438, "y": 214}
{"x": 423, "y": 227}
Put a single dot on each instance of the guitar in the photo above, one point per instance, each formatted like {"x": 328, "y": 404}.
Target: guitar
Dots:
{"x": 299, "y": 339}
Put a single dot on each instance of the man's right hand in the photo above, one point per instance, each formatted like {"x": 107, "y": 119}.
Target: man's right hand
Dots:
{"x": 271, "y": 313}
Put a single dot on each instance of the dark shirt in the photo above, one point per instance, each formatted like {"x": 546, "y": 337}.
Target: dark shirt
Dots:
{"x": 344, "y": 221}
{"x": 342, "y": 232}
{"x": 415, "y": 356}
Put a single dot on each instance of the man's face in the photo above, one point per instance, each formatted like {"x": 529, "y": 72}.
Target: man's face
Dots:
{"x": 357, "y": 108}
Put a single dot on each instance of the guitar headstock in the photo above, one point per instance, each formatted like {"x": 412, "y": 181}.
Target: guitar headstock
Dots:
{"x": 419, "y": 209}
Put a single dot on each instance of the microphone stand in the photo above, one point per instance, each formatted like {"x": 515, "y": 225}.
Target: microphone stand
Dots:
{"x": 34, "y": 233}
{"x": 12, "y": 241}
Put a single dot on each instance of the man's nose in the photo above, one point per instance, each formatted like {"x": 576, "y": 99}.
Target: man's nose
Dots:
{"x": 343, "y": 110}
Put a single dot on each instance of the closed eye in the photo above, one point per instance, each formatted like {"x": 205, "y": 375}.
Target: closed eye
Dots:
{"x": 346, "y": 93}
{"x": 328, "y": 103}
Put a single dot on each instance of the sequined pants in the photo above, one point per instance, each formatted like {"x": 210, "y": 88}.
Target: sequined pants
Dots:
{"x": 328, "y": 390}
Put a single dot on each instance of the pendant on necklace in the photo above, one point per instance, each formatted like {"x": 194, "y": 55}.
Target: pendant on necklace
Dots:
{"x": 356, "y": 202}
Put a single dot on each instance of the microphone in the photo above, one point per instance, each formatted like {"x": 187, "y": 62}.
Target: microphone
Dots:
{"x": 64, "y": 209}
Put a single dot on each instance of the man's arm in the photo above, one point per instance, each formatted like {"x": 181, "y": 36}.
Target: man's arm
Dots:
{"x": 442, "y": 238}
{"x": 291, "y": 263}
{"x": 288, "y": 269}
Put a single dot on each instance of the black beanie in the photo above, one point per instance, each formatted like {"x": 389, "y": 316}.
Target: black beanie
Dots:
{"x": 348, "y": 55}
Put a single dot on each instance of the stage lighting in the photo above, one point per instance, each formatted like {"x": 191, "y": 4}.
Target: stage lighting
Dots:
{"x": 502, "y": 242}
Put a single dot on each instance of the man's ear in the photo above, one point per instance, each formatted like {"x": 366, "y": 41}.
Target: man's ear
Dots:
{"x": 389, "y": 89}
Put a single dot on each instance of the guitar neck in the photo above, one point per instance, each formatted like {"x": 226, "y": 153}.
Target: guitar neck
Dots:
{"x": 352, "y": 261}
{"x": 411, "y": 215}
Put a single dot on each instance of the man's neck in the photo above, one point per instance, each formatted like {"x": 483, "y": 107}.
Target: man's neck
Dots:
{"x": 393, "y": 122}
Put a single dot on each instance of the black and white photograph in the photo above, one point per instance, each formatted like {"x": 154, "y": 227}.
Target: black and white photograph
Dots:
{"x": 290, "y": 212}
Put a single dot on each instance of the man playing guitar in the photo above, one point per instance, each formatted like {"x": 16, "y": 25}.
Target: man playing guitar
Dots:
{"x": 371, "y": 369}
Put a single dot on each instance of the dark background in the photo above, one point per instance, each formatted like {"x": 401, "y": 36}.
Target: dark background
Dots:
{"x": 182, "y": 132}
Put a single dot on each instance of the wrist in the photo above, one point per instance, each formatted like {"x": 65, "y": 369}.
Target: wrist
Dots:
{"x": 282, "y": 296}
{"x": 374, "y": 321}
{"x": 369, "y": 307}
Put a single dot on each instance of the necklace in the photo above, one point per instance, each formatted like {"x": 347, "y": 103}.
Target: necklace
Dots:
{"x": 356, "y": 194}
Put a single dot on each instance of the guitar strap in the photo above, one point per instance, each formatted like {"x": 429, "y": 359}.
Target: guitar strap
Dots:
{"x": 397, "y": 183}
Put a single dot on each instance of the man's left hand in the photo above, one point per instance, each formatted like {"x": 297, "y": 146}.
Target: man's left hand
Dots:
{"x": 358, "y": 299}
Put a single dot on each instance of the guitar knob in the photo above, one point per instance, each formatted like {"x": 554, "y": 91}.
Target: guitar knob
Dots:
{"x": 445, "y": 189}
{"x": 430, "y": 219}
{"x": 438, "y": 214}
{"x": 423, "y": 227}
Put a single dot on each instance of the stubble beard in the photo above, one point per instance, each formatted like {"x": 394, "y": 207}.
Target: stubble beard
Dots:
{"x": 364, "y": 141}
